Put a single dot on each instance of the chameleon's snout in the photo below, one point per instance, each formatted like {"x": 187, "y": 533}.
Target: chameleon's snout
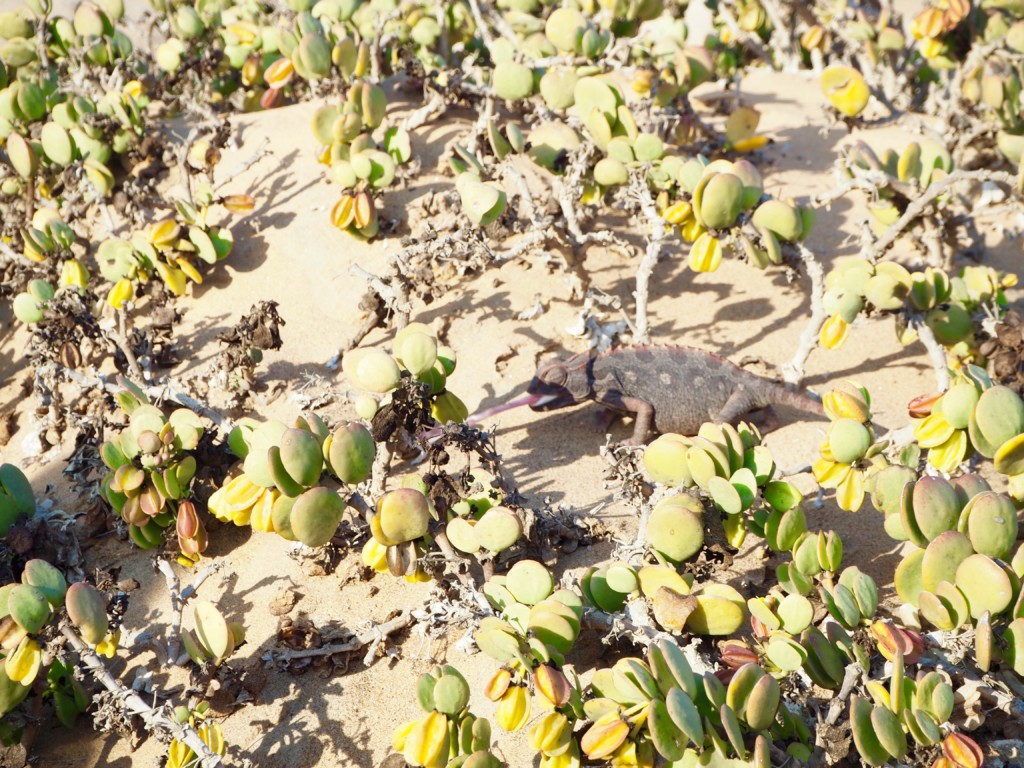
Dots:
{"x": 547, "y": 397}
{"x": 544, "y": 402}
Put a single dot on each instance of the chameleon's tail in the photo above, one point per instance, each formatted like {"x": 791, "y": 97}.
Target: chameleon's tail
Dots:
{"x": 801, "y": 400}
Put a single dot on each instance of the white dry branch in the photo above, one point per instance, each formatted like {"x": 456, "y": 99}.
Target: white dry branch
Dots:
{"x": 932, "y": 192}
{"x": 936, "y": 352}
{"x": 370, "y": 638}
{"x": 155, "y": 719}
{"x": 166, "y": 391}
{"x": 793, "y": 371}
{"x": 638, "y": 187}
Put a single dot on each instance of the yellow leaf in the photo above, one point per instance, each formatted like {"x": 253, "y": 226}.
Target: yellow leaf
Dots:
{"x": 73, "y": 274}
{"x": 741, "y": 125}
{"x": 260, "y": 518}
{"x": 678, "y": 213}
{"x": 427, "y": 741}
{"x": 122, "y": 291}
{"x": 829, "y": 474}
{"x": 950, "y": 454}
{"x": 22, "y": 664}
{"x": 164, "y": 234}
{"x": 706, "y": 254}
{"x": 189, "y": 269}
{"x": 933, "y": 430}
{"x": 834, "y": 332}
{"x": 241, "y": 493}
{"x": 173, "y": 278}
{"x": 375, "y": 555}
{"x": 108, "y": 646}
{"x": 605, "y": 736}
{"x": 850, "y": 491}
{"x": 401, "y": 733}
{"x": 179, "y": 755}
{"x": 845, "y": 89}
{"x": 212, "y": 736}
{"x": 513, "y": 709}
{"x": 750, "y": 145}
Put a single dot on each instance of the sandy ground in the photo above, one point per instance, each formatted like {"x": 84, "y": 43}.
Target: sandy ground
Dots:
{"x": 287, "y": 251}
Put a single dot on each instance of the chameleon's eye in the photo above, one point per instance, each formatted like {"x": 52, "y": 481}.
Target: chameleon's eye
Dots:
{"x": 556, "y": 376}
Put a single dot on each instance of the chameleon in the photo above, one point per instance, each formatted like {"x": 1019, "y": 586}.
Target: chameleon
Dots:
{"x": 667, "y": 389}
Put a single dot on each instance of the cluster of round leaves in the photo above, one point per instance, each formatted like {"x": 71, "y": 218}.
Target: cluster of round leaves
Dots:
{"x": 401, "y": 527}
{"x": 27, "y": 610}
{"x": 48, "y": 239}
{"x": 917, "y": 166}
{"x": 994, "y": 87}
{"x": 974, "y": 416}
{"x": 850, "y": 452}
{"x": 449, "y": 735}
{"x": 416, "y": 352}
{"x": 678, "y": 603}
{"x": 169, "y": 249}
{"x": 966, "y": 560}
{"x": 48, "y": 126}
{"x": 400, "y": 530}
{"x": 580, "y": 31}
{"x": 537, "y": 623}
{"x": 658, "y": 706}
{"x": 948, "y": 304}
{"x": 729, "y": 466}
{"x": 267, "y": 58}
{"x": 358, "y": 163}
{"x": 788, "y": 641}
{"x": 916, "y": 707}
{"x": 718, "y": 199}
{"x": 151, "y": 471}
{"x": 280, "y": 486}
{"x": 942, "y": 36}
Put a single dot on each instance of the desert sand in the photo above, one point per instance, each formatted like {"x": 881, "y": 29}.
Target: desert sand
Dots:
{"x": 287, "y": 250}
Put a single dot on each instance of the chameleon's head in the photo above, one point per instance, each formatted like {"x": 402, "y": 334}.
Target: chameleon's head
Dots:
{"x": 560, "y": 383}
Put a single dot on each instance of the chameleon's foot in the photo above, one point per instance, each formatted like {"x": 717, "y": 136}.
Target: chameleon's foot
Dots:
{"x": 766, "y": 420}
{"x": 603, "y": 419}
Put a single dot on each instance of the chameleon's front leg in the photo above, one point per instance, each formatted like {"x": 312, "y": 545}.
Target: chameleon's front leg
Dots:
{"x": 643, "y": 413}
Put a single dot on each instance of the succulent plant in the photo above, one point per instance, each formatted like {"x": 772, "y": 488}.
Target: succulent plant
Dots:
{"x": 946, "y": 304}
{"x": 27, "y": 609}
{"x": 179, "y": 754}
{"x": 854, "y": 600}
{"x": 850, "y": 449}
{"x": 151, "y": 469}
{"x": 845, "y": 89}
{"x": 168, "y": 249}
{"x": 376, "y": 371}
{"x": 659, "y": 706}
{"x": 16, "y": 497}
{"x": 497, "y": 529}
{"x": 726, "y": 464}
{"x": 357, "y": 163}
{"x": 213, "y": 638}
{"x": 449, "y": 734}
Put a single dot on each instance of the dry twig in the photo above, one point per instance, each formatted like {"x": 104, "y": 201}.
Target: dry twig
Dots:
{"x": 156, "y": 719}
